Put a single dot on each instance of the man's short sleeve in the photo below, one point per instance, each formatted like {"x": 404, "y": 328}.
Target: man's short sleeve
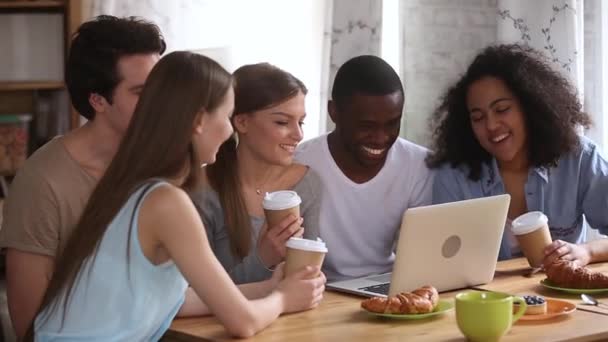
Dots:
{"x": 31, "y": 217}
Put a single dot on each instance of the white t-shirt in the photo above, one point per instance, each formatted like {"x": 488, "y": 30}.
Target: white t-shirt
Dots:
{"x": 360, "y": 222}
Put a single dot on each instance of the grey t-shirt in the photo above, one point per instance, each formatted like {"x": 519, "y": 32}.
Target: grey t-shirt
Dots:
{"x": 250, "y": 269}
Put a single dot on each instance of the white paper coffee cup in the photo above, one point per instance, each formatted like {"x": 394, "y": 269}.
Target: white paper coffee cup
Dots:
{"x": 302, "y": 253}
{"x": 280, "y": 200}
{"x": 279, "y": 204}
{"x": 532, "y": 233}
{"x": 307, "y": 245}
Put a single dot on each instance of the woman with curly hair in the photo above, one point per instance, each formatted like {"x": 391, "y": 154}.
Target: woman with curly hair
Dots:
{"x": 510, "y": 125}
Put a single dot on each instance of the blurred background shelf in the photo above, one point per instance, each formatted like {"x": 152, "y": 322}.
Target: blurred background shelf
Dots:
{"x": 31, "y": 85}
{"x": 32, "y": 5}
{"x": 39, "y": 32}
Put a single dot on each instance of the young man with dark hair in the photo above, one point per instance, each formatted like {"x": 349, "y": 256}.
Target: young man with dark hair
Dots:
{"x": 108, "y": 63}
{"x": 370, "y": 175}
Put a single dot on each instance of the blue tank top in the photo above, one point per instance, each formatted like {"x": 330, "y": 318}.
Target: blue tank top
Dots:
{"x": 116, "y": 300}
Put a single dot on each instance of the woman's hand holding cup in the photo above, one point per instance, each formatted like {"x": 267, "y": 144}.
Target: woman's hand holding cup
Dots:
{"x": 283, "y": 221}
{"x": 302, "y": 290}
{"x": 271, "y": 243}
{"x": 277, "y": 276}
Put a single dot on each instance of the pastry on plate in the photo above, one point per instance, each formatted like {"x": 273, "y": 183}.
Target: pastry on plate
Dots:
{"x": 568, "y": 274}
{"x": 419, "y": 301}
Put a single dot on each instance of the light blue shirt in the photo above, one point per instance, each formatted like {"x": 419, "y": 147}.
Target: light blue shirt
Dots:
{"x": 577, "y": 186}
{"x": 115, "y": 298}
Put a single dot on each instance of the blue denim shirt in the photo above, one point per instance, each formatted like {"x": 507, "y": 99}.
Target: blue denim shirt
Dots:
{"x": 577, "y": 186}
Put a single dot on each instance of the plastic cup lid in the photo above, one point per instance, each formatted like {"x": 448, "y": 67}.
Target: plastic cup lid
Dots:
{"x": 528, "y": 222}
{"x": 307, "y": 245}
{"x": 280, "y": 200}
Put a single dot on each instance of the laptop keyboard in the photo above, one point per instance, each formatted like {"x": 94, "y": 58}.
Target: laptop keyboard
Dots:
{"x": 381, "y": 278}
{"x": 380, "y": 288}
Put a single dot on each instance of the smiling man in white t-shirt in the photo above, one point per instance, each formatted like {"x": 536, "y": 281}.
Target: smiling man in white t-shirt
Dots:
{"x": 370, "y": 175}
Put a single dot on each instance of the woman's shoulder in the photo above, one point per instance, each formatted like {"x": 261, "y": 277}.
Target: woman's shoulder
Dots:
{"x": 456, "y": 178}
{"x": 308, "y": 182}
{"x": 305, "y": 174}
{"x": 584, "y": 163}
{"x": 453, "y": 172}
{"x": 206, "y": 199}
{"x": 161, "y": 193}
{"x": 164, "y": 200}
{"x": 586, "y": 150}
{"x": 586, "y": 145}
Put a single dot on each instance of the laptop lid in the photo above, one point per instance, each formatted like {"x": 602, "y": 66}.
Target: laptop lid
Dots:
{"x": 451, "y": 245}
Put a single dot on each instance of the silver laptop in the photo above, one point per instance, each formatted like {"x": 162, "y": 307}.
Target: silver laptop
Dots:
{"x": 449, "y": 246}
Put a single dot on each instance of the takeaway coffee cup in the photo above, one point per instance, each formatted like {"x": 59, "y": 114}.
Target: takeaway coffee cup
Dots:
{"x": 279, "y": 204}
{"x": 302, "y": 253}
{"x": 532, "y": 233}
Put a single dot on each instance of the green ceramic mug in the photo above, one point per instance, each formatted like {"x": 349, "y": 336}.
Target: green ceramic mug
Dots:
{"x": 486, "y": 316}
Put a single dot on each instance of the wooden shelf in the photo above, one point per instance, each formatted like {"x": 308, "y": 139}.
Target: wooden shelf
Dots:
{"x": 23, "y": 96}
{"x": 31, "y": 85}
{"x": 32, "y": 5}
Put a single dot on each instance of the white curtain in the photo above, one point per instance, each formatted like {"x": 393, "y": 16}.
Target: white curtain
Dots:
{"x": 438, "y": 41}
{"x": 440, "y": 38}
{"x": 289, "y": 34}
{"x": 571, "y": 33}
{"x": 186, "y": 24}
{"x": 553, "y": 27}
{"x": 354, "y": 29}
{"x": 595, "y": 69}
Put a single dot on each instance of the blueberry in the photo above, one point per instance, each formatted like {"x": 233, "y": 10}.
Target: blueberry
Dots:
{"x": 534, "y": 300}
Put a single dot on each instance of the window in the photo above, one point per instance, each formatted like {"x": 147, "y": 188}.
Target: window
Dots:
{"x": 390, "y": 43}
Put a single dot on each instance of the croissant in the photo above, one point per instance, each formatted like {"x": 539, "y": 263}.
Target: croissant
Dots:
{"x": 422, "y": 300}
{"x": 570, "y": 275}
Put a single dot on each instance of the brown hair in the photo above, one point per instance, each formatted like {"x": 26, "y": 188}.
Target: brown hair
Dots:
{"x": 157, "y": 144}
{"x": 257, "y": 87}
{"x": 97, "y": 46}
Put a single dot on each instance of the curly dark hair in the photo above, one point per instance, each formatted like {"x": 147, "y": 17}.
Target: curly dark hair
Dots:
{"x": 550, "y": 104}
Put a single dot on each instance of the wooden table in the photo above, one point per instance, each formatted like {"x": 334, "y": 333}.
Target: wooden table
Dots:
{"x": 340, "y": 317}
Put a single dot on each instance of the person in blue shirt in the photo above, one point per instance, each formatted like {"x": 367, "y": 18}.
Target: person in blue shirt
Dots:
{"x": 511, "y": 125}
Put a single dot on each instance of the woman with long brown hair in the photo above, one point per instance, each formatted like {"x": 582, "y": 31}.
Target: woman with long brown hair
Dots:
{"x": 268, "y": 117}
{"x": 140, "y": 241}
